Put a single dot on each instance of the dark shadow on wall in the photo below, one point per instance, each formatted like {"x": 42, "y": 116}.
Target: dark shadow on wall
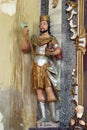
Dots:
{"x": 85, "y": 13}
{"x": 85, "y": 58}
{"x": 85, "y": 81}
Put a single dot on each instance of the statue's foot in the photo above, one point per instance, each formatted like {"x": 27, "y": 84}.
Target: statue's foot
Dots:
{"x": 54, "y": 119}
{"x": 41, "y": 120}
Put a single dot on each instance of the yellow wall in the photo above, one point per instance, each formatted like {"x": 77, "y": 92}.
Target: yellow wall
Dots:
{"x": 29, "y": 13}
{"x": 6, "y": 23}
{"x": 15, "y": 67}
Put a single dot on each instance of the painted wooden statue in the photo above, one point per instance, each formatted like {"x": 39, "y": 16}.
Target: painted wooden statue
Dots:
{"x": 44, "y": 48}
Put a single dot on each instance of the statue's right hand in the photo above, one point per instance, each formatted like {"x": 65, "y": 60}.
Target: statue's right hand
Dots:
{"x": 25, "y": 31}
{"x": 82, "y": 122}
{"x": 72, "y": 122}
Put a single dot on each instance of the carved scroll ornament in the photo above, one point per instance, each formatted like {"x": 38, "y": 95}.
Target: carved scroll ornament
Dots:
{"x": 54, "y": 3}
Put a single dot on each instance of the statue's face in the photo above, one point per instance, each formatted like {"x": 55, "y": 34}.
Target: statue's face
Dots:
{"x": 79, "y": 111}
{"x": 43, "y": 26}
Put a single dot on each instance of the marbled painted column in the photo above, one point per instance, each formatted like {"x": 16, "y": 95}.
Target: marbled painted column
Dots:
{"x": 44, "y": 6}
{"x": 67, "y": 65}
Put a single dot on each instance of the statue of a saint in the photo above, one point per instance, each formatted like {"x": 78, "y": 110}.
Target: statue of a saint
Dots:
{"x": 44, "y": 48}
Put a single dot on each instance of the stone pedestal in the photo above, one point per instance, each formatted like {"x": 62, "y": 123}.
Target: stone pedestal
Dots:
{"x": 47, "y": 125}
{"x": 50, "y": 128}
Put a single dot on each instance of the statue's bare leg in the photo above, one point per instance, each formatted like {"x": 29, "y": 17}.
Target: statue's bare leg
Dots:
{"x": 41, "y": 99}
{"x": 51, "y": 100}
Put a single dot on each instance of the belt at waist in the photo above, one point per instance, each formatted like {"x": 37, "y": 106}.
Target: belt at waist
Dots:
{"x": 40, "y": 54}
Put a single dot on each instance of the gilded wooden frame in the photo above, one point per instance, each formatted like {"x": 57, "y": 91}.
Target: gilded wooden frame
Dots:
{"x": 77, "y": 8}
{"x": 80, "y": 50}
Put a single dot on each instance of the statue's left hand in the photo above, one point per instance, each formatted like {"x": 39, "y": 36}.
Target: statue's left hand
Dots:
{"x": 49, "y": 51}
{"x": 81, "y": 122}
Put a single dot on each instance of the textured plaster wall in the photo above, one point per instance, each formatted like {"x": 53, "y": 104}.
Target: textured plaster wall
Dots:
{"x": 6, "y": 42}
{"x": 16, "y": 99}
{"x": 6, "y": 23}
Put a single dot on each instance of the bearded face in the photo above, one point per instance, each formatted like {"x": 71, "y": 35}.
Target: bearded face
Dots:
{"x": 43, "y": 26}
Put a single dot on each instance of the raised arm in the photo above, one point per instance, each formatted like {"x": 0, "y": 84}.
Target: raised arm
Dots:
{"x": 25, "y": 40}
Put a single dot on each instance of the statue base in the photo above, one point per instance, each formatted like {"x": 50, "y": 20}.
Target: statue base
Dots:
{"x": 47, "y": 125}
{"x": 49, "y": 128}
